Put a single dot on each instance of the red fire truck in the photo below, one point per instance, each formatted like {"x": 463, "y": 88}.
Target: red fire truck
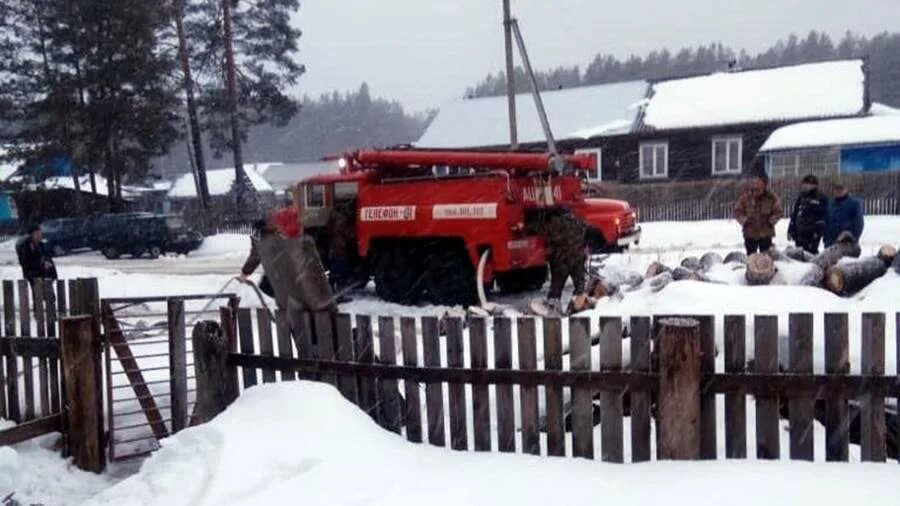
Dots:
{"x": 441, "y": 226}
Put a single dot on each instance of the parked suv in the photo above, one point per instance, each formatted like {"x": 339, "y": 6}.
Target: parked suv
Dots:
{"x": 65, "y": 234}
{"x": 100, "y": 225}
{"x": 154, "y": 235}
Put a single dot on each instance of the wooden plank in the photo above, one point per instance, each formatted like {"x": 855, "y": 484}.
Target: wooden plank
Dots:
{"x": 301, "y": 325}
{"x": 389, "y": 394}
{"x": 323, "y": 337}
{"x": 27, "y": 362}
{"x": 344, "y": 353}
{"x": 640, "y": 400}
{"x": 872, "y": 416}
{"x": 837, "y": 361}
{"x": 434, "y": 392}
{"x": 62, "y": 306}
{"x": 708, "y": 425}
{"x": 285, "y": 347}
{"x": 32, "y": 429}
{"x": 413, "y": 413}
{"x": 611, "y": 442}
{"x": 765, "y": 360}
{"x": 177, "y": 364}
{"x": 481, "y": 404}
{"x": 801, "y": 409}
{"x": 556, "y": 440}
{"x": 582, "y": 398}
{"x": 245, "y": 334}
{"x": 266, "y": 347}
{"x": 53, "y": 362}
{"x": 12, "y": 363}
{"x": 528, "y": 394}
{"x": 506, "y": 423}
{"x": 735, "y": 403}
{"x": 364, "y": 352}
{"x": 40, "y": 318}
{"x": 459, "y": 439}
{"x": 678, "y": 406}
{"x": 83, "y": 379}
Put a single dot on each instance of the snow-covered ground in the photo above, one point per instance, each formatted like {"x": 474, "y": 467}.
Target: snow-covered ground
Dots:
{"x": 301, "y": 442}
{"x": 317, "y": 457}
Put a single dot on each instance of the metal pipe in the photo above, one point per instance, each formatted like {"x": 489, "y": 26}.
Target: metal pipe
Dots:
{"x": 535, "y": 93}
{"x": 510, "y": 78}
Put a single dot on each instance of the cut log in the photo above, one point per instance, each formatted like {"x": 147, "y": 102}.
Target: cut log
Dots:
{"x": 738, "y": 257}
{"x": 846, "y": 278}
{"x": 887, "y": 253}
{"x": 760, "y": 269}
{"x": 691, "y": 263}
{"x": 655, "y": 269}
{"x": 814, "y": 276}
{"x": 681, "y": 274}
{"x": 710, "y": 259}
{"x": 660, "y": 281}
{"x": 799, "y": 254}
{"x": 896, "y": 264}
{"x": 835, "y": 252}
{"x": 599, "y": 287}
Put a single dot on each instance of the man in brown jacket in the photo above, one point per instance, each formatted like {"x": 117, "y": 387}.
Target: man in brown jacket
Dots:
{"x": 758, "y": 210}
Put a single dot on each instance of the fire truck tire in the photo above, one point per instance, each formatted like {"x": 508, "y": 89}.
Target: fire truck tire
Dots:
{"x": 450, "y": 278}
{"x": 396, "y": 276}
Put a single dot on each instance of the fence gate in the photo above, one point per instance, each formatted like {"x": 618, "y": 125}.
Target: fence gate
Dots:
{"x": 150, "y": 385}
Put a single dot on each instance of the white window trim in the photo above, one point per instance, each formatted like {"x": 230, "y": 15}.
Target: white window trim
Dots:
{"x": 727, "y": 139}
{"x": 654, "y": 145}
{"x": 599, "y": 153}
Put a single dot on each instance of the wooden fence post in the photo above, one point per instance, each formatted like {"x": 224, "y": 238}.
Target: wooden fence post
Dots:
{"x": 83, "y": 380}
{"x": 679, "y": 389}
{"x": 215, "y": 379}
{"x": 177, "y": 364}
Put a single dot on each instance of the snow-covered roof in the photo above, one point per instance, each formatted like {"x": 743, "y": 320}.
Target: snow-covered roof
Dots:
{"x": 7, "y": 168}
{"x": 219, "y": 182}
{"x": 284, "y": 175}
{"x": 67, "y": 183}
{"x": 835, "y": 132}
{"x": 815, "y": 90}
{"x": 604, "y": 108}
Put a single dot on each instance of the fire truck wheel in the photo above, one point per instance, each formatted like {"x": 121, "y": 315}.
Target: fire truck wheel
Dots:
{"x": 525, "y": 280}
{"x": 396, "y": 278}
{"x": 450, "y": 278}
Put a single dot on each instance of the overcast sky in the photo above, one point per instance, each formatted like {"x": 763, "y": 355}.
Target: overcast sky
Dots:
{"x": 426, "y": 52}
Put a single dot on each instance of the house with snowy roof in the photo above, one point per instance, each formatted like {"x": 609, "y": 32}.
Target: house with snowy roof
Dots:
{"x": 678, "y": 129}
{"x": 840, "y": 146}
{"x": 182, "y": 195}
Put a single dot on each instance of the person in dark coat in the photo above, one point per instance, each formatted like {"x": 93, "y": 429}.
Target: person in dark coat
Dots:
{"x": 566, "y": 239}
{"x": 845, "y": 214}
{"x": 808, "y": 216}
{"x": 758, "y": 210}
{"x": 35, "y": 257}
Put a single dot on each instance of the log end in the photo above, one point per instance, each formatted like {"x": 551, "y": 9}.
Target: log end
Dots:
{"x": 834, "y": 280}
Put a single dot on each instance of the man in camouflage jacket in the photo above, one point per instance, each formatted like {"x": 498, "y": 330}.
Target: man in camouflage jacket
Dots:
{"x": 758, "y": 210}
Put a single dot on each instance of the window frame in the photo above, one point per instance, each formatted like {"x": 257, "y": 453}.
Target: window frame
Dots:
{"x": 727, "y": 139}
{"x": 654, "y": 145}
{"x": 306, "y": 193}
{"x": 599, "y": 153}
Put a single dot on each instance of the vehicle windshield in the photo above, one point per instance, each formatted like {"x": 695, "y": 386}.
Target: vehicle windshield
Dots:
{"x": 175, "y": 222}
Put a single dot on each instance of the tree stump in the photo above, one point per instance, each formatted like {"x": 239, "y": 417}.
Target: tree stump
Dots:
{"x": 738, "y": 257}
{"x": 680, "y": 377}
{"x": 760, "y": 269}
{"x": 850, "y": 277}
{"x": 213, "y": 375}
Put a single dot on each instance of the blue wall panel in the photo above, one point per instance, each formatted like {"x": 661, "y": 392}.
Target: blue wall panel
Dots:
{"x": 870, "y": 159}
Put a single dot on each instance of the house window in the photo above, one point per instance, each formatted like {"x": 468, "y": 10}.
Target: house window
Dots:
{"x": 654, "y": 160}
{"x": 821, "y": 162}
{"x": 315, "y": 195}
{"x": 726, "y": 155}
{"x": 595, "y": 174}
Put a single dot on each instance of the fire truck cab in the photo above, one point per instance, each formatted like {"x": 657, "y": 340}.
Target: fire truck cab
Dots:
{"x": 429, "y": 225}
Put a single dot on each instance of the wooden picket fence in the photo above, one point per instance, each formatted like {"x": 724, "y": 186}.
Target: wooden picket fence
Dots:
{"x": 31, "y": 387}
{"x": 671, "y": 378}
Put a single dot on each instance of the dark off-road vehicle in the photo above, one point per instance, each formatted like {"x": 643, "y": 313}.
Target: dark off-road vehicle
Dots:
{"x": 154, "y": 235}
{"x": 65, "y": 234}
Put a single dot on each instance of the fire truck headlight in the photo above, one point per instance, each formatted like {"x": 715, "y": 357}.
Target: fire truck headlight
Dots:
{"x": 342, "y": 163}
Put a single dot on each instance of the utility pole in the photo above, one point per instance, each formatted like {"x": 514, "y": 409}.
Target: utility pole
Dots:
{"x": 240, "y": 177}
{"x": 510, "y": 77}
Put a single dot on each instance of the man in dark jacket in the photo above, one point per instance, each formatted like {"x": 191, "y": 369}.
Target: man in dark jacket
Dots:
{"x": 566, "y": 239}
{"x": 35, "y": 257}
{"x": 758, "y": 210}
{"x": 808, "y": 216}
{"x": 845, "y": 214}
